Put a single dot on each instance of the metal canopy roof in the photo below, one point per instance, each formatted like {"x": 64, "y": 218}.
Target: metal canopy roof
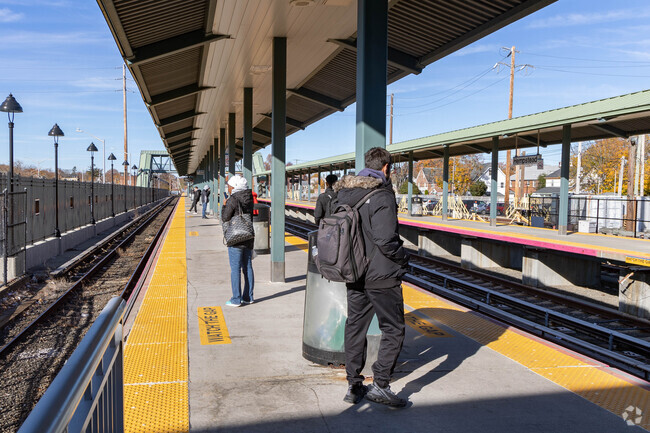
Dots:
{"x": 191, "y": 59}
{"x": 620, "y": 116}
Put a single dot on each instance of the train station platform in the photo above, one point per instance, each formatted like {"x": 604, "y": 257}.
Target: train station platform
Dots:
{"x": 193, "y": 364}
{"x": 596, "y": 245}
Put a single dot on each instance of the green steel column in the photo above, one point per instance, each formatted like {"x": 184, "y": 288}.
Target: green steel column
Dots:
{"x": 372, "y": 55}
{"x": 222, "y": 168}
{"x": 308, "y": 186}
{"x": 278, "y": 152}
{"x": 247, "y": 163}
{"x": 213, "y": 176}
{"x": 494, "y": 192}
{"x": 563, "y": 216}
{"x": 232, "y": 155}
{"x": 410, "y": 190}
{"x": 445, "y": 183}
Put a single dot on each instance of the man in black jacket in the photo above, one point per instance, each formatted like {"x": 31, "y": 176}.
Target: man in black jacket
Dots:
{"x": 196, "y": 196}
{"x": 324, "y": 202}
{"x": 379, "y": 290}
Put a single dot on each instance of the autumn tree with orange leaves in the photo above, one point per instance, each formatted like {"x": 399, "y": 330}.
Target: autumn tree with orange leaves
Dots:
{"x": 601, "y": 163}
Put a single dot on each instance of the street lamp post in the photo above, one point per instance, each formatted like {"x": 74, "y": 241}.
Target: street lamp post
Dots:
{"x": 134, "y": 168}
{"x": 92, "y": 149}
{"x": 112, "y": 158}
{"x": 103, "y": 152}
{"x": 126, "y": 168}
{"x": 56, "y": 133}
{"x": 11, "y": 106}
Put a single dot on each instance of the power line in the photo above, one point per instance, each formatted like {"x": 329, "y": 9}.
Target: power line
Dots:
{"x": 585, "y": 59}
{"x": 593, "y": 73}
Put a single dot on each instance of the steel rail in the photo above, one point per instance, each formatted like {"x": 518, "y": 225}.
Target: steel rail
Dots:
{"x": 98, "y": 266}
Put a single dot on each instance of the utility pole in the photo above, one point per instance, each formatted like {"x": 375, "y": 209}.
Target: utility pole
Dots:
{"x": 620, "y": 177}
{"x": 392, "y": 96}
{"x": 508, "y": 155}
{"x": 642, "y": 162}
{"x": 631, "y": 167}
{"x": 578, "y": 171}
{"x": 126, "y": 146}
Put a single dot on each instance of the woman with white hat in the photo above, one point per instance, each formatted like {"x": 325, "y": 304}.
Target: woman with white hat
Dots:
{"x": 240, "y": 254}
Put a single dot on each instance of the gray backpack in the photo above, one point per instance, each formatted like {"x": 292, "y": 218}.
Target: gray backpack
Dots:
{"x": 341, "y": 254}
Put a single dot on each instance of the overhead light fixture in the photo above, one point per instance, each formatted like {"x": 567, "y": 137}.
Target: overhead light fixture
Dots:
{"x": 260, "y": 69}
{"x": 301, "y": 3}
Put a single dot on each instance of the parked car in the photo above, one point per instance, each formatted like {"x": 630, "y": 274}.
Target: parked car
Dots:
{"x": 500, "y": 208}
{"x": 429, "y": 205}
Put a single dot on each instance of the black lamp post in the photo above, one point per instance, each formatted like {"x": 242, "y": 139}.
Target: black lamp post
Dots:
{"x": 11, "y": 106}
{"x": 92, "y": 149}
{"x": 134, "y": 168}
{"x": 56, "y": 133}
{"x": 126, "y": 168}
{"x": 112, "y": 158}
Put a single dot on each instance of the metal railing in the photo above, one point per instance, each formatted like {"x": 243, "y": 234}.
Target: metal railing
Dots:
{"x": 87, "y": 394}
{"x": 618, "y": 215}
{"x": 13, "y": 228}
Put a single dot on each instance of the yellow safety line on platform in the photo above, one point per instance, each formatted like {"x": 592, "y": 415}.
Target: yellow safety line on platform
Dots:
{"x": 296, "y": 242}
{"x": 155, "y": 354}
{"x": 591, "y": 380}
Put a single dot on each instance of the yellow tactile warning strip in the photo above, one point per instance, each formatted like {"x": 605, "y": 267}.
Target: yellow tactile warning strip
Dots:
{"x": 212, "y": 326}
{"x": 155, "y": 354}
{"x": 296, "y": 242}
{"x": 589, "y": 379}
{"x": 424, "y": 326}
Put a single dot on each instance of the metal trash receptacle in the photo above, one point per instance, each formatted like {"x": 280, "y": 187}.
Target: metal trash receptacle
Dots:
{"x": 416, "y": 206}
{"x": 326, "y": 309}
{"x": 261, "y": 245}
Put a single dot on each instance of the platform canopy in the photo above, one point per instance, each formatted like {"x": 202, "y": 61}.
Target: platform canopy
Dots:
{"x": 192, "y": 59}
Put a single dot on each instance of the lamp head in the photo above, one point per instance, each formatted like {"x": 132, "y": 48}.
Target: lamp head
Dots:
{"x": 11, "y": 106}
{"x": 111, "y": 157}
{"x": 56, "y": 133}
{"x": 125, "y": 163}
{"x": 92, "y": 148}
{"x": 135, "y": 167}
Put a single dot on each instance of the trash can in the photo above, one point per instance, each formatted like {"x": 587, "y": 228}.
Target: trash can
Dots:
{"x": 261, "y": 227}
{"x": 416, "y": 206}
{"x": 326, "y": 309}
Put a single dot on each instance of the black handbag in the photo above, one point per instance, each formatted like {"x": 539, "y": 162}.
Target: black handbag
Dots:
{"x": 239, "y": 229}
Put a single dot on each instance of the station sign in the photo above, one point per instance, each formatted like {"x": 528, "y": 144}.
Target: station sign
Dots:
{"x": 529, "y": 160}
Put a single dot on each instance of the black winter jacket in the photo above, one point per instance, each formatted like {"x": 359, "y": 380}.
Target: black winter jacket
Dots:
{"x": 245, "y": 198}
{"x": 323, "y": 204}
{"x": 387, "y": 259}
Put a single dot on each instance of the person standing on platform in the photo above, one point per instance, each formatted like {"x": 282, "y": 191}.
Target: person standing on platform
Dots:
{"x": 240, "y": 255}
{"x": 196, "y": 196}
{"x": 326, "y": 201}
{"x": 379, "y": 291}
{"x": 205, "y": 199}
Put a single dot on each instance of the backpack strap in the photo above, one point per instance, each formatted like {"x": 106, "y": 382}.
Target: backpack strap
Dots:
{"x": 366, "y": 197}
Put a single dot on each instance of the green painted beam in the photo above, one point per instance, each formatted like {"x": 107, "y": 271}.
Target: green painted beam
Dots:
{"x": 178, "y": 118}
{"x": 177, "y": 93}
{"x": 169, "y": 46}
{"x": 396, "y": 58}
{"x": 318, "y": 98}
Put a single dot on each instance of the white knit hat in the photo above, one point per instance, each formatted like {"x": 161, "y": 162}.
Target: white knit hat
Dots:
{"x": 238, "y": 183}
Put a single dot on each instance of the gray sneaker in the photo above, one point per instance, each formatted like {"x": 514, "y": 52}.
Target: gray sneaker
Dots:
{"x": 384, "y": 396}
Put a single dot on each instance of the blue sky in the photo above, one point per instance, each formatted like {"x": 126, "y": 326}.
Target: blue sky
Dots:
{"x": 61, "y": 63}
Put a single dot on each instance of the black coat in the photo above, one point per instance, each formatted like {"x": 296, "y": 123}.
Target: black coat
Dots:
{"x": 387, "y": 258}
{"x": 245, "y": 199}
{"x": 196, "y": 195}
{"x": 323, "y": 204}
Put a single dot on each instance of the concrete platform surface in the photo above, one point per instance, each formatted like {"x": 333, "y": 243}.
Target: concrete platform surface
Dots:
{"x": 460, "y": 372}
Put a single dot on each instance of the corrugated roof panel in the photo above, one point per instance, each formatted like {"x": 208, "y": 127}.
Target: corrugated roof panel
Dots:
{"x": 177, "y": 106}
{"x": 172, "y": 72}
{"x": 148, "y": 21}
{"x": 187, "y": 123}
{"x": 302, "y": 109}
{"x": 335, "y": 79}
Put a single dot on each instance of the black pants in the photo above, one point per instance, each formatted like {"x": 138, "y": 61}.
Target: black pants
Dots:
{"x": 194, "y": 203}
{"x": 388, "y": 304}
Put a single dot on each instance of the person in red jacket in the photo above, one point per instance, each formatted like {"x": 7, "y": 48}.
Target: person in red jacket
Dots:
{"x": 255, "y": 211}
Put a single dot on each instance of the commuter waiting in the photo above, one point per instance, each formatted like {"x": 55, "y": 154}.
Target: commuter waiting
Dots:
{"x": 327, "y": 200}
{"x": 196, "y": 196}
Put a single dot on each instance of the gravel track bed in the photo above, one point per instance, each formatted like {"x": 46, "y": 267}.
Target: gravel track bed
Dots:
{"x": 29, "y": 368}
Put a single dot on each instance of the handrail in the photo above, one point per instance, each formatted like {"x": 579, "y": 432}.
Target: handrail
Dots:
{"x": 69, "y": 402}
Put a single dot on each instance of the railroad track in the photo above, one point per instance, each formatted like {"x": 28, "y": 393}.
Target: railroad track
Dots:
{"x": 36, "y": 343}
{"x": 603, "y": 333}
